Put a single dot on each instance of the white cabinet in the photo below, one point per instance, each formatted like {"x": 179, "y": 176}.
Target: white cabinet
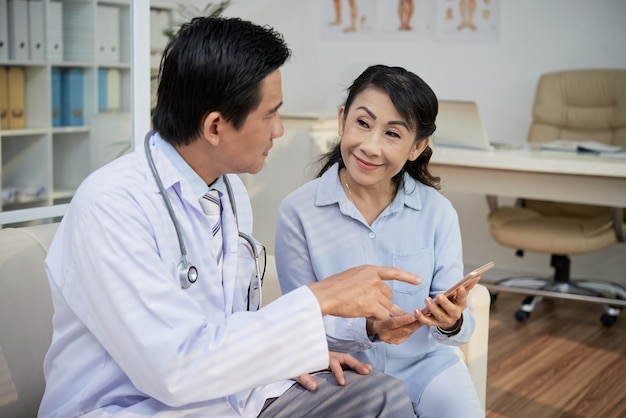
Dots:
{"x": 64, "y": 95}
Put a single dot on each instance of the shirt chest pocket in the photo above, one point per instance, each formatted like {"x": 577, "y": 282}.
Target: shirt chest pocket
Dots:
{"x": 419, "y": 262}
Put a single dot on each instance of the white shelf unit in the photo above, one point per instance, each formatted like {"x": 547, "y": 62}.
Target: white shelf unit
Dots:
{"x": 48, "y": 162}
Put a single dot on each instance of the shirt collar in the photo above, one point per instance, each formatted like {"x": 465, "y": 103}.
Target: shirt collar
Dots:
{"x": 198, "y": 185}
{"x": 330, "y": 191}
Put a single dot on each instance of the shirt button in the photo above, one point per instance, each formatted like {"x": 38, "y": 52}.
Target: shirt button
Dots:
{"x": 372, "y": 235}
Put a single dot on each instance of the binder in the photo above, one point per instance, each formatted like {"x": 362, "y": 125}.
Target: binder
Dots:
{"x": 108, "y": 34}
{"x": 4, "y": 98}
{"x": 18, "y": 30}
{"x": 102, "y": 90}
{"x": 16, "y": 98}
{"x": 113, "y": 90}
{"x": 4, "y": 31}
{"x": 36, "y": 30}
{"x": 54, "y": 39}
{"x": 56, "y": 97}
{"x": 72, "y": 97}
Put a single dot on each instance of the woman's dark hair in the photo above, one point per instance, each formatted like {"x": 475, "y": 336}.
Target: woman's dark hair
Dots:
{"x": 213, "y": 64}
{"x": 415, "y": 102}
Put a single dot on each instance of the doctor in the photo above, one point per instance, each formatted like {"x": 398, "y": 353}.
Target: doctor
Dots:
{"x": 152, "y": 320}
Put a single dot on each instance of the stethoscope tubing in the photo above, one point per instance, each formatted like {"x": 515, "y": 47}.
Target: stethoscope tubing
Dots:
{"x": 186, "y": 269}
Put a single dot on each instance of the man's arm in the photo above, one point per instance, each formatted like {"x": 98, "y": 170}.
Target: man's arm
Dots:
{"x": 360, "y": 291}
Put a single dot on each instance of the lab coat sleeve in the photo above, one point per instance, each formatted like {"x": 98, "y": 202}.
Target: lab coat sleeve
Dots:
{"x": 115, "y": 280}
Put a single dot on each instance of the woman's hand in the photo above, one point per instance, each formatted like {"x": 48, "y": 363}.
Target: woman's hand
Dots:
{"x": 338, "y": 362}
{"x": 395, "y": 329}
{"x": 444, "y": 312}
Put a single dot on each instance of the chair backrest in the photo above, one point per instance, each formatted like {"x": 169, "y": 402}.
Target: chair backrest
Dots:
{"x": 25, "y": 318}
{"x": 580, "y": 105}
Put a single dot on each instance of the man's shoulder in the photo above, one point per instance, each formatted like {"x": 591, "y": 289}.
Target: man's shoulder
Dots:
{"x": 121, "y": 176}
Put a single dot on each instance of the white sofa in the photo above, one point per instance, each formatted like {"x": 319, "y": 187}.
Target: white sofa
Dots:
{"x": 26, "y": 315}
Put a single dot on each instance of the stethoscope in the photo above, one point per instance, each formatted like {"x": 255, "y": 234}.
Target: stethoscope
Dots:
{"x": 187, "y": 272}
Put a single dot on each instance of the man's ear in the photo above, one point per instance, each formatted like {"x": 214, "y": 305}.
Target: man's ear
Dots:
{"x": 341, "y": 114}
{"x": 418, "y": 148}
{"x": 212, "y": 127}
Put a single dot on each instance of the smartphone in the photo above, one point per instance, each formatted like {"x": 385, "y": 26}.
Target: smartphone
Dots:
{"x": 472, "y": 278}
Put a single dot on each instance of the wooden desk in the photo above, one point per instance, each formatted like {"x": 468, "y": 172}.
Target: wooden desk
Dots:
{"x": 533, "y": 173}
{"x": 539, "y": 174}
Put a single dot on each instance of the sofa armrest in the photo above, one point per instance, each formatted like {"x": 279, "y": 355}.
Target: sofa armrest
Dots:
{"x": 25, "y": 318}
{"x": 475, "y": 352}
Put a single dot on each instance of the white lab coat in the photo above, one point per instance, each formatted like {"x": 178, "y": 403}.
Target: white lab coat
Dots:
{"x": 128, "y": 341}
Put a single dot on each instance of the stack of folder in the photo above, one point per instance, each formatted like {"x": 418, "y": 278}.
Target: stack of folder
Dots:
{"x": 107, "y": 32}
{"x": 12, "y": 98}
{"x": 109, "y": 89}
{"x": 54, "y": 29}
{"x": 67, "y": 97}
{"x": 22, "y": 30}
{"x": 56, "y": 97}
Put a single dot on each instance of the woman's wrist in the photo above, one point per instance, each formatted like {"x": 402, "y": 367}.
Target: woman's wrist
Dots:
{"x": 456, "y": 328}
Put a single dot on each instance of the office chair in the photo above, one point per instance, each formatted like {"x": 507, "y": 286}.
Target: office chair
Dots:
{"x": 576, "y": 105}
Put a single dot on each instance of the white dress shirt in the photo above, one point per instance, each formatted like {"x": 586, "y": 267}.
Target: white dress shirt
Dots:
{"x": 128, "y": 341}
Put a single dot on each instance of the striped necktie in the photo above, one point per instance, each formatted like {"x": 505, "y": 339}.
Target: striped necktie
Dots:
{"x": 212, "y": 207}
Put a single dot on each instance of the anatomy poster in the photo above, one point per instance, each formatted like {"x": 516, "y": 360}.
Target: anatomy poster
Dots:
{"x": 467, "y": 20}
{"x": 410, "y": 20}
{"x": 349, "y": 19}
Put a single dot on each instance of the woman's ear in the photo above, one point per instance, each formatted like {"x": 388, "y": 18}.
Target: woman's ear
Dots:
{"x": 418, "y": 148}
{"x": 341, "y": 120}
{"x": 212, "y": 126}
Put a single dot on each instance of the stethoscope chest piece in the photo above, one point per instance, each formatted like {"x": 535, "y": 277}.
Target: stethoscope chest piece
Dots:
{"x": 187, "y": 273}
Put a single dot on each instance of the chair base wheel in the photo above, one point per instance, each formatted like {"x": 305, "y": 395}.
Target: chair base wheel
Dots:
{"x": 610, "y": 315}
{"x": 521, "y": 315}
{"x": 608, "y": 320}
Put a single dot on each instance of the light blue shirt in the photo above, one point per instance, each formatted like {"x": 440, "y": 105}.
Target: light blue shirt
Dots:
{"x": 128, "y": 340}
{"x": 320, "y": 233}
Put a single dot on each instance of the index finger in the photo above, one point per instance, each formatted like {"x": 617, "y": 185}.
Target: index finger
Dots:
{"x": 394, "y": 273}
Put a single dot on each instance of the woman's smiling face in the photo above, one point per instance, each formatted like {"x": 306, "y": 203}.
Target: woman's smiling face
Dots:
{"x": 376, "y": 140}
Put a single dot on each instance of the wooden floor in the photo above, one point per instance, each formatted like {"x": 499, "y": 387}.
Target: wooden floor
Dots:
{"x": 561, "y": 362}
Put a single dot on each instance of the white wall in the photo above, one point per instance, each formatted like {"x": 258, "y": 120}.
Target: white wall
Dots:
{"x": 536, "y": 36}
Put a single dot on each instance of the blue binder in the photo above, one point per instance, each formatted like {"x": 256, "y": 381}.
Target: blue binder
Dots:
{"x": 56, "y": 96}
{"x": 72, "y": 97}
{"x": 103, "y": 101}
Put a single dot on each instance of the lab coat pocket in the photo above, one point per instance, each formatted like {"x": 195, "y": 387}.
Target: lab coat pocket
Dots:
{"x": 419, "y": 262}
